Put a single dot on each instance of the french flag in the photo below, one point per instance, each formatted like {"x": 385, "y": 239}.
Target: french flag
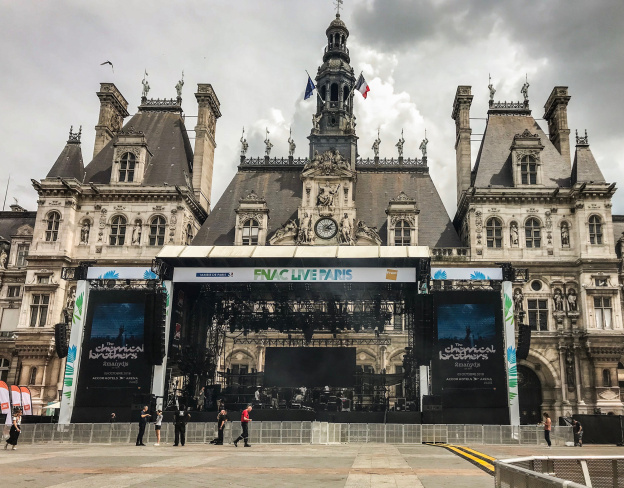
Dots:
{"x": 362, "y": 86}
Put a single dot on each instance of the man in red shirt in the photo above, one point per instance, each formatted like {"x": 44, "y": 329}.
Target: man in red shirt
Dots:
{"x": 245, "y": 425}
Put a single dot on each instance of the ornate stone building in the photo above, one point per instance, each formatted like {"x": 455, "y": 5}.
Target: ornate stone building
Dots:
{"x": 145, "y": 187}
{"x": 527, "y": 201}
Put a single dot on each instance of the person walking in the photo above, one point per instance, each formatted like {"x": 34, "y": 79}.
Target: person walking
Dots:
{"x": 578, "y": 433}
{"x": 16, "y": 428}
{"x": 181, "y": 418}
{"x": 158, "y": 425}
{"x": 142, "y": 423}
{"x": 245, "y": 425}
{"x": 547, "y": 428}
{"x": 221, "y": 421}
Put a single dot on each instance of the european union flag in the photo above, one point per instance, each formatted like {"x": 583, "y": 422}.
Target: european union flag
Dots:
{"x": 309, "y": 89}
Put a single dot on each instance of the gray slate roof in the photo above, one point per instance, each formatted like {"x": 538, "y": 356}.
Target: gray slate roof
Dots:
{"x": 69, "y": 163}
{"x": 493, "y": 165}
{"x": 168, "y": 142}
{"x": 585, "y": 168}
{"x": 282, "y": 191}
{"x": 11, "y": 221}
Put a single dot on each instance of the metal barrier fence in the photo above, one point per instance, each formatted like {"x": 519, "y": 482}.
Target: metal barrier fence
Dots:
{"x": 560, "y": 471}
{"x": 300, "y": 433}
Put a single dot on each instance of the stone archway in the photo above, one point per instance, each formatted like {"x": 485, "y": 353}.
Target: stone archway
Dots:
{"x": 529, "y": 395}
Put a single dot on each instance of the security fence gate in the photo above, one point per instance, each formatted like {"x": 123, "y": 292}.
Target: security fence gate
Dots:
{"x": 300, "y": 433}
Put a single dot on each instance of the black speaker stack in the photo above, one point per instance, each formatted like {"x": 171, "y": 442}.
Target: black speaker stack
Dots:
{"x": 60, "y": 339}
{"x": 155, "y": 318}
{"x": 524, "y": 341}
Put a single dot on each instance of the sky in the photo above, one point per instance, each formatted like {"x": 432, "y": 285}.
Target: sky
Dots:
{"x": 413, "y": 53}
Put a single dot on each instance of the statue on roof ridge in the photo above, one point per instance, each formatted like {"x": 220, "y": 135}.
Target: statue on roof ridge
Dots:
{"x": 267, "y": 143}
{"x": 179, "y": 85}
{"x": 525, "y": 89}
{"x": 492, "y": 89}
{"x": 291, "y": 144}
{"x": 399, "y": 144}
{"x": 423, "y": 145}
{"x": 146, "y": 87}
{"x": 244, "y": 145}
{"x": 376, "y": 144}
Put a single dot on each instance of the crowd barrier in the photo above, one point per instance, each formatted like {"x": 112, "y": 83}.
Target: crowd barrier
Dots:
{"x": 559, "y": 471}
{"x": 300, "y": 433}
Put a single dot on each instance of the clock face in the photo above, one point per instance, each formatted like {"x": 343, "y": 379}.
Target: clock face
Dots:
{"x": 326, "y": 228}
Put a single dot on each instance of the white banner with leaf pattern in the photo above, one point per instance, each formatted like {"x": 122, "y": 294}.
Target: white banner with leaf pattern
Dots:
{"x": 72, "y": 360}
{"x": 466, "y": 273}
{"x": 510, "y": 344}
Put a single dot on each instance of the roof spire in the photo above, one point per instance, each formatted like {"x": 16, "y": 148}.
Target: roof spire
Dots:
{"x": 74, "y": 137}
{"x": 580, "y": 140}
{"x": 338, "y": 4}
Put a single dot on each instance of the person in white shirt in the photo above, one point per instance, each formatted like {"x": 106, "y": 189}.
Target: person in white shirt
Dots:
{"x": 16, "y": 428}
{"x": 158, "y": 425}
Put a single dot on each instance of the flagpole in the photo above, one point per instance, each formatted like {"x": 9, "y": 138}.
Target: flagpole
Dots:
{"x": 356, "y": 80}
{"x": 317, "y": 91}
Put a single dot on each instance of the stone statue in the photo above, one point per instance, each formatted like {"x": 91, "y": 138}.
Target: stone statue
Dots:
{"x": 244, "y": 145}
{"x": 291, "y": 145}
{"x": 84, "y": 232}
{"x": 513, "y": 231}
{"x": 423, "y": 146}
{"x": 558, "y": 299}
{"x": 326, "y": 195}
{"x": 267, "y": 143}
{"x": 399, "y": 144}
{"x": 179, "y": 86}
{"x": 71, "y": 300}
{"x": 565, "y": 235}
{"x": 136, "y": 233}
{"x": 316, "y": 121}
{"x": 3, "y": 259}
{"x": 346, "y": 230}
{"x": 350, "y": 125}
{"x": 146, "y": 87}
{"x": 492, "y": 90}
{"x": 338, "y": 160}
{"x": 305, "y": 230}
{"x": 525, "y": 90}
{"x": 570, "y": 377}
{"x": 376, "y": 144}
{"x": 370, "y": 232}
{"x": 572, "y": 304}
{"x": 518, "y": 299}
{"x": 289, "y": 227}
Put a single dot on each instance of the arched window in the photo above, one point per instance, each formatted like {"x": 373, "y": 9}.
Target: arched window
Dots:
{"x": 345, "y": 94}
{"x": 157, "y": 231}
{"x": 33, "y": 376}
{"x": 595, "y": 230}
{"x": 494, "y": 231}
{"x": 324, "y": 92}
{"x": 4, "y": 369}
{"x": 606, "y": 378}
{"x": 334, "y": 92}
{"x": 126, "y": 167}
{"x": 402, "y": 233}
{"x": 118, "y": 231}
{"x": 189, "y": 235}
{"x": 533, "y": 233}
{"x": 54, "y": 220}
{"x": 250, "y": 232}
{"x": 528, "y": 169}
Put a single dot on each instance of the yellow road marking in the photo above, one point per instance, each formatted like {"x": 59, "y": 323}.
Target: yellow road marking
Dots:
{"x": 477, "y": 453}
{"x": 488, "y": 467}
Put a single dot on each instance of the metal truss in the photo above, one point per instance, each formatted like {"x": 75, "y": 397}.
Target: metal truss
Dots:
{"x": 301, "y": 342}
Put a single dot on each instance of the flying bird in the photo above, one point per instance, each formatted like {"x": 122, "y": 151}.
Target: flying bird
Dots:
{"x": 108, "y": 62}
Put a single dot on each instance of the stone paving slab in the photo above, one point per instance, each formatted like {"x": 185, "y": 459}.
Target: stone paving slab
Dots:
{"x": 261, "y": 466}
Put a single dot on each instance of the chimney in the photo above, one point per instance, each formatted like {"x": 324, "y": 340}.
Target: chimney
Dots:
{"x": 203, "y": 159}
{"x": 556, "y": 114}
{"x": 461, "y": 116}
{"x": 113, "y": 109}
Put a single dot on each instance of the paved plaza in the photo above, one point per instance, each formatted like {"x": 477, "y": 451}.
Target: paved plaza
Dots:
{"x": 346, "y": 465}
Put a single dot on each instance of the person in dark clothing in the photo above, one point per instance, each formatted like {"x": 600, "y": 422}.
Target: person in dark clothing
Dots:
{"x": 142, "y": 423}
{"x": 245, "y": 425}
{"x": 578, "y": 433}
{"x": 221, "y": 421}
{"x": 181, "y": 418}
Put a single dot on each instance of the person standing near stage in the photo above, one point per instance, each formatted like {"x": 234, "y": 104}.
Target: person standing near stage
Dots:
{"x": 181, "y": 418}
{"x": 16, "y": 428}
{"x": 221, "y": 421}
{"x": 142, "y": 423}
{"x": 158, "y": 425}
{"x": 547, "y": 428}
{"x": 578, "y": 433}
{"x": 245, "y": 425}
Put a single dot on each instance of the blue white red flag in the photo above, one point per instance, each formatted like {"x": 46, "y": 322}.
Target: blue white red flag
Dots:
{"x": 362, "y": 86}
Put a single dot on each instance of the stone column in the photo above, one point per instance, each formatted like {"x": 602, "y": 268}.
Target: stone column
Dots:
{"x": 562, "y": 372}
{"x": 382, "y": 357}
{"x": 260, "y": 358}
{"x": 577, "y": 367}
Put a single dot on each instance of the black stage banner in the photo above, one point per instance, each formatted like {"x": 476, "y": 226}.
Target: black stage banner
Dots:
{"x": 468, "y": 367}
{"x": 113, "y": 366}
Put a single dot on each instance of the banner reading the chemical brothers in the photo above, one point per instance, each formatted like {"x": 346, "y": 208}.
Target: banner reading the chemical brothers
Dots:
{"x": 113, "y": 364}
{"x": 469, "y": 365}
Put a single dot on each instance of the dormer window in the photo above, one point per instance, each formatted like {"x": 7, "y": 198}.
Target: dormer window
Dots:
{"x": 251, "y": 229}
{"x": 402, "y": 233}
{"x": 528, "y": 170}
{"x": 126, "y": 167}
